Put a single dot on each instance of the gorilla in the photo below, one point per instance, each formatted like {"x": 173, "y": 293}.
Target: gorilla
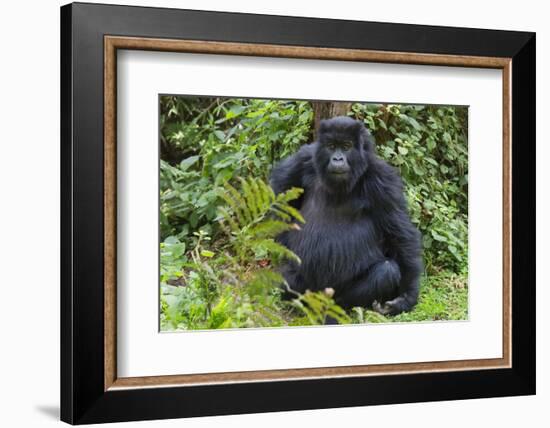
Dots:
{"x": 358, "y": 238}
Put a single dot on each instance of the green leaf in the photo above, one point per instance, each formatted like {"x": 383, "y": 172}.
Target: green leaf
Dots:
{"x": 219, "y": 134}
{"x": 382, "y": 124}
{"x": 188, "y": 162}
{"x": 194, "y": 219}
{"x": 418, "y": 170}
{"x": 437, "y": 236}
{"x": 235, "y": 111}
{"x": 430, "y": 160}
{"x": 415, "y": 124}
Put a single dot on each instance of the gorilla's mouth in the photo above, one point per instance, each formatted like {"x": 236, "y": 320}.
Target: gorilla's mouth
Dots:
{"x": 339, "y": 176}
{"x": 338, "y": 171}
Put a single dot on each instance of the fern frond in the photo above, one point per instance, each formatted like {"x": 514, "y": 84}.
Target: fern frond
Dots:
{"x": 267, "y": 195}
{"x": 263, "y": 281}
{"x": 290, "y": 195}
{"x": 280, "y": 213}
{"x": 250, "y": 196}
{"x": 270, "y": 316}
{"x": 254, "y": 215}
{"x": 269, "y": 228}
{"x": 255, "y": 200}
{"x": 226, "y": 217}
{"x": 338, "y": 313}
{"x": 268, "y": 276}
{"x": 254, "y": 186}
{"x": 293, "y": 212}
{"x": 310, "y": 315}
{"x": 319, "y": 305}
{"x": 373, "y": 316}
{"x": 315, "y": 301}
{"x": 233, "y": 205}
{"x": 241, "y": 205}
{"x": 274, "y": 249}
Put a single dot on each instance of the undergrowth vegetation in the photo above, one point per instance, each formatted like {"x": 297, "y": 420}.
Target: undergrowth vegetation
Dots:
{"x": 219, "y": 218}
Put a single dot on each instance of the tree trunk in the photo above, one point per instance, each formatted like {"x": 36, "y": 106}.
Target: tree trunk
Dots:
{"x": 326, "y": 110}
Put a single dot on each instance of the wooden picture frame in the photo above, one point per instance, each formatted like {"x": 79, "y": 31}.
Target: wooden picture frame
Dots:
{"x": 90, "y": 389}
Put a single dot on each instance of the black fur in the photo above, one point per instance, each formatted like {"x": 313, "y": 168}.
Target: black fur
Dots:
{"x": 358, "y": 238}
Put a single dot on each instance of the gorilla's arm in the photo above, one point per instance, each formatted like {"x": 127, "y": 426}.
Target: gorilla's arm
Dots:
{"x": 402, "y": 239}
{"x": 294, "y": 171}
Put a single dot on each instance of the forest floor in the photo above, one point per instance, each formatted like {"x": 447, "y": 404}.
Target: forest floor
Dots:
{"x": 442, "y": 297}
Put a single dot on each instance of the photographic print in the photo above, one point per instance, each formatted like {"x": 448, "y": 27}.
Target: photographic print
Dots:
{"x": 281, "y": 213}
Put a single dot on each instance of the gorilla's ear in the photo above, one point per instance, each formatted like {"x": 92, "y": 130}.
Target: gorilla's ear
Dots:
{"x": 366, "y": 138}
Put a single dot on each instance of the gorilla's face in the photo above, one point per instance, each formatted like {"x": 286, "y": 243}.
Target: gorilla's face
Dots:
{"x": 341, "y": 158}
{"x": 338, "y": 152}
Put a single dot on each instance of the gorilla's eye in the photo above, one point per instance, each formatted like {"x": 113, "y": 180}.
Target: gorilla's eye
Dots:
{"x": 343, "y": 145}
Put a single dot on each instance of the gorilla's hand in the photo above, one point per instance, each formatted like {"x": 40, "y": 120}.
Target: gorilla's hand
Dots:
{"x": 391, "y": 307}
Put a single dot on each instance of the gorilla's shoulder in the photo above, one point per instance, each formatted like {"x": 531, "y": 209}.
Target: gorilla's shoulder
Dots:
{"x": 384, "y": 182}
{"x": 301, "y": 160}
{"x": 307, "y": 151}
{"x": 296, "y": 170}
